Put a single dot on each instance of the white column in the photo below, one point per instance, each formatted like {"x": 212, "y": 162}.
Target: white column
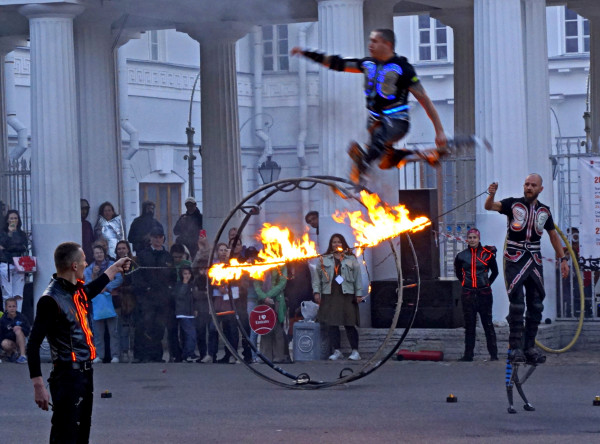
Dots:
{"x": 461, "y": 21}
{"x": 99, "y": 135}
{"x": 220, "y": 135}
{"x": 500, "y": 115}
{"x": 55, "y": 157}
{"x": 342, "y": 106}
{"x": 539, "y": 139}
{"x": 380, "y": 14}
{"x": 7, "y": 44}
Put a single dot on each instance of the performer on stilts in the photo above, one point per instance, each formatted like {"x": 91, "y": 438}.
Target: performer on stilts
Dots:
{"x": 388, "y": 80}
{"x": 523, "y": 269}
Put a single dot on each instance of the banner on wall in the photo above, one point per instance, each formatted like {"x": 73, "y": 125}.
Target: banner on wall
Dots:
{"x": 589, "y": 205}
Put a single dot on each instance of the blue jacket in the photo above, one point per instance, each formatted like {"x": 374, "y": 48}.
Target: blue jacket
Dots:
{"x": 7, "y": 324}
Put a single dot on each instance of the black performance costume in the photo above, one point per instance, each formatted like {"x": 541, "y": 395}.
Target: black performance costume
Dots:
{"x": 472, "y": 267}
{"x": 523, "y": 268}
{"x": 63, "y": 316}
{"x": 386, "y": 90}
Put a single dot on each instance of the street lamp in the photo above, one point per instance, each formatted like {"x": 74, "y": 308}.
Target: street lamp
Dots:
{"x": 269, "y": 171}
{"x": 189, "y": 131}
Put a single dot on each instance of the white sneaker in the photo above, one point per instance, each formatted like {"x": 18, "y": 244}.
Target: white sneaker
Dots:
{"x": 354, "y": 356}
{"x": 207, "y": 359}
{"x": 336, "y": 355}
{"x": 233, "y": 360}
{"x": 114, "y": 360}
{"x": 97, "y": 361}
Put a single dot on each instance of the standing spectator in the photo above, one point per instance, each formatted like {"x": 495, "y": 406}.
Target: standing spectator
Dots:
{"x": 87, "y": 232}
{"x": 109, "y": 226}
{"x": 104, "y": 314}
{"x": 124, "y": 302}
{"x": 476, "y": 269}
{"x": 188, "y": 226}
{"x": 238, "y": 251}
{"x": 180, "y": 258}
{"x": 203, "y": 317}
{"x": 14, "y": 329}
{"x": 139, "y": 232}
{"x": 62, "y": 316}
{"x": 223, "y": 309}
{"x": 337, "y": 286}
{"x": 186, "y": 295}
{"x": 312, "y": 219}
{"x": 273, "y": 345}
{"x": 153, "y": 284}
{"x": 179, "y": 262}
{"x": 13, "y": 243}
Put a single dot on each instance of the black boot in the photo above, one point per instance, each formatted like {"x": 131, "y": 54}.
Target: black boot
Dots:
{"x": 534, "y": 357}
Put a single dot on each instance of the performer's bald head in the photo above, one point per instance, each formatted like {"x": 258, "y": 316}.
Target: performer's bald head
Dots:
{"x": 535, "y": 175}
{"x": 532, "y": 187}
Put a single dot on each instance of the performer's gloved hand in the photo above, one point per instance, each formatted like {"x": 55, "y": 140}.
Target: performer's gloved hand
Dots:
{"x": 296, "y": 50}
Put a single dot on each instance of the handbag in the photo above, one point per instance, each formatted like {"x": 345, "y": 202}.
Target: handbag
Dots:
{"x": 25, "y": 264}
{"x": 103, "y": 307}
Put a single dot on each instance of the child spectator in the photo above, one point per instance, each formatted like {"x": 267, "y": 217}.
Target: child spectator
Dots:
{"x": 185, "y": 312}
{"x": 14, "y": 329}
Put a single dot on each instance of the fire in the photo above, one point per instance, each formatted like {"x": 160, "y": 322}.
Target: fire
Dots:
{"x": 278, "y": 249}
{"x": 386, "y": 222}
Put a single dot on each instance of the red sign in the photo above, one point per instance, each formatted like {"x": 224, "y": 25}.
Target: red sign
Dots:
{"x": 262, "y": 319}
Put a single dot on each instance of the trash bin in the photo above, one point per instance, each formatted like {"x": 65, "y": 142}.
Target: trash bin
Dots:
{"x": 310, "y": 341}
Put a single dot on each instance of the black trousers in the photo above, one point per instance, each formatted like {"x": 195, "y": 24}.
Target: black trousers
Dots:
{"x": 480, "y": 301}
{"x": 385, "y": 132}
{"x": 525, "y": 287}
{"x": 72, "y": 394}
{"x": 335, "y": 336}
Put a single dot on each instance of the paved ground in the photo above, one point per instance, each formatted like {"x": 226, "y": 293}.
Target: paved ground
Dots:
{"x": 400, "y": 402}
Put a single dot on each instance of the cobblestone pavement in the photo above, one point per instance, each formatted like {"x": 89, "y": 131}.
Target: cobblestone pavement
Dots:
{"x": 400, "y": 402}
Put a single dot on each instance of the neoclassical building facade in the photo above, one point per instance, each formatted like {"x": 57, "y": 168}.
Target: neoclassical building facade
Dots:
{"x": 98, "y": 94}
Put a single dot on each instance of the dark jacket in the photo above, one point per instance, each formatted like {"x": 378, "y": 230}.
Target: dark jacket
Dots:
{"x": 140, "y": 229}
{"x": 7, "y": 324}
{"x": 187, "y": 229}
{"x": 472, "y": 266}
{"x": 186, "y": 299}
{"x": 63, "y": 316}
{"x": 14, "y": 246}
{"x": 160, "y": 276}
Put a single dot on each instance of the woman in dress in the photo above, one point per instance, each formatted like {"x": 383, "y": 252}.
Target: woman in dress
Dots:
{"x": 337, "y": 285}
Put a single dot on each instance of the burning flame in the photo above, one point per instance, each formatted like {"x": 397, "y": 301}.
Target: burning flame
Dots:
{"x": 386, "y": 221}
{"x": 278, "y": 249}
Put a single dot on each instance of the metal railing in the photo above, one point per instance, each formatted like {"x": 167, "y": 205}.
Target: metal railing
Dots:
{"x": 565, "y": 171}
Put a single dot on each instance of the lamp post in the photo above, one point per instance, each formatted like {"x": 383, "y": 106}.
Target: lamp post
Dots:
{"x": 189, "y": 131}
{"x": 269, "y": 171}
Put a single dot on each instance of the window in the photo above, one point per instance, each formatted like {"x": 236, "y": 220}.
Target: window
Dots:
{"x": 275, "y": 48}
{"x": 433, "y": 39}
{"x": 153, "y": 44}
{"x": 167, "y": 200}
{"x": 577, "y": 33}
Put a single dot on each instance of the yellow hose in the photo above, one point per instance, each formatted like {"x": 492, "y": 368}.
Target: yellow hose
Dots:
{"x": 582, "y": 296}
